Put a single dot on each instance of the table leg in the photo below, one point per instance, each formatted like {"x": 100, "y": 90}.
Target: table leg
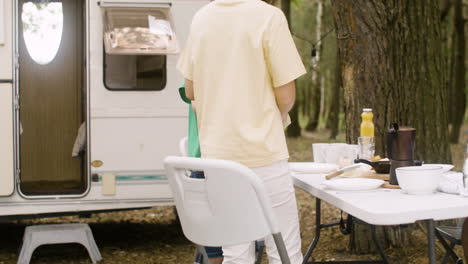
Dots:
{"x": 319, "y": 226}
{"x": 431, "y": 241}
{"x": 377, "y": 244}
{"x": 312, "y": 246}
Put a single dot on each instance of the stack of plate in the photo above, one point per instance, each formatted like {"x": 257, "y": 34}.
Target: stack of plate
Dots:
{"x": 312, "y": 167}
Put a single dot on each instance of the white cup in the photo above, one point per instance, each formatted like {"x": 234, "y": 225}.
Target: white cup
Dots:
{"x": 335, "y": 153}
{"x": 319, "y": 151}
{"x": 352, "y": 151}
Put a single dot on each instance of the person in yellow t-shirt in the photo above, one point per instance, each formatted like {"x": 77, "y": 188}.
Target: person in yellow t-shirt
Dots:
{"x": 240, "y": 63}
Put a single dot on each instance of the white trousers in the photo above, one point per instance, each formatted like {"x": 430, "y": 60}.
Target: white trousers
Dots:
{"x": 278, "y": 183}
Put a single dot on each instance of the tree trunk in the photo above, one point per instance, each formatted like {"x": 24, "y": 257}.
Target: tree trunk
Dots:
{"x": 449, "y": 50}
{"x": 316, "y": 95}
{"x": 334, "y": 107}
{"x": 313, "y": 105}
{"x": 391, "y": 61}
{"x": 458, "y": 96}
{"x": 286, "y": 7}
{"x": 294, "y": 130}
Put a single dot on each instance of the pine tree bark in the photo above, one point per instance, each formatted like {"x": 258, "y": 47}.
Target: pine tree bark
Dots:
{"x": 391, "y": 61}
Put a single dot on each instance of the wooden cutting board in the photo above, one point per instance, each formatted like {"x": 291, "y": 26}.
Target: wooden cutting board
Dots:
{"x": 370, "y": 175}
{"x": 390, "y": 186}
{"x": 374, "y": 175}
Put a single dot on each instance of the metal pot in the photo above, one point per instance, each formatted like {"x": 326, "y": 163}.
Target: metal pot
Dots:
{"x": 401, "y": 142}
{"x": 382, "y": 167}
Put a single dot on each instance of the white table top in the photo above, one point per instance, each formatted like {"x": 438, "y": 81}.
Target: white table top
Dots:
{"x": 386, "y": 206}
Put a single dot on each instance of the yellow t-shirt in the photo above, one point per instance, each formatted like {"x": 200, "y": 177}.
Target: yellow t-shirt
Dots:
{"x": 236, "y": 53}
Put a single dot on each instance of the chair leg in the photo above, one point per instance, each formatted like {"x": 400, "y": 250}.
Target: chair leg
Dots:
{"x": 447, "y": 254}
{"x": 448, "y": 248}
{"x": 200, "y": 255}
{"x": 283, "y": 253}
{"x": 259, "y": 247}
{"x": 464, "y": 238}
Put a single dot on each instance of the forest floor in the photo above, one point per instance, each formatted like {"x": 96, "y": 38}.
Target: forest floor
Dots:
{"x": 154, "y": 235}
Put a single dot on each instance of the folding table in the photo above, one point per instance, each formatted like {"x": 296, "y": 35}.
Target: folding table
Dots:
{"x": 383, "y": 207}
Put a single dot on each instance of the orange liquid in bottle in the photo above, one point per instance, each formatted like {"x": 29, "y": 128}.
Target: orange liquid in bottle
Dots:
{"x": 367, "y": 126}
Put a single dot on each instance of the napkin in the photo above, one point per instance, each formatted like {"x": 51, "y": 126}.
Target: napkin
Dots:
{"x": 452, "y": 182}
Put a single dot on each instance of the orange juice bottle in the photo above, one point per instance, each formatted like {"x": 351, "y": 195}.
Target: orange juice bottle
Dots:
{"x": 367, "y": 126}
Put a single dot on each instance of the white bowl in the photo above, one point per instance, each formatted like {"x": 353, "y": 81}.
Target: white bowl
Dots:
{"x": 419, "y": 179}
{"x": 445, "y": 167}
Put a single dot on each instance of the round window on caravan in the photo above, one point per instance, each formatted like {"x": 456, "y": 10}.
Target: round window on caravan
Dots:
{"x": 42, "y": 29}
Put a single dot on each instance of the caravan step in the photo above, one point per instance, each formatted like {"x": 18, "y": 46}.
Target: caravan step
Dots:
{"x": 38, "y": 235}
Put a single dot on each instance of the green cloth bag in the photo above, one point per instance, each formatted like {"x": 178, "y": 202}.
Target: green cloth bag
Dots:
{"x": 193, "y": 141}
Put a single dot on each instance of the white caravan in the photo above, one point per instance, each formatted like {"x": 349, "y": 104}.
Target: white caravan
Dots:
{"x": 89, "y": 103}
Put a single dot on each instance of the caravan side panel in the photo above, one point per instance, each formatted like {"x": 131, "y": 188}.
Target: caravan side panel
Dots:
{"x": 6, "y": 140}
{"x": 6, "y": 100}
{"x": 135, "y": 130}
{"x": 6, "y": 51}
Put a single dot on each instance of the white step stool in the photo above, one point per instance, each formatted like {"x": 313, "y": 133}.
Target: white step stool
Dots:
{"x": 38, "y": 235}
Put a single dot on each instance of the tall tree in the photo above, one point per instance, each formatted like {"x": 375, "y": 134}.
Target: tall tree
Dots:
{"x": 294, "y": 130}
{"x": 334, "y": 106}
{"x": 457, "y": 95}
{"x": 315, "y": 99}
{"x": 391, "y": 61}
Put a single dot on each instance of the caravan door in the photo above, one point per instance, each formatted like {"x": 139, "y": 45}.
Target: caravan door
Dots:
{"x": 137, "y": 117}
{"x": 6, "y": 101}
{"x": 52, "y": 97}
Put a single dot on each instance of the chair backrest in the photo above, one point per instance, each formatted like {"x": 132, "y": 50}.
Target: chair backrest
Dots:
{"x": 183, "y": 146}
{"x": 230, "y": 206}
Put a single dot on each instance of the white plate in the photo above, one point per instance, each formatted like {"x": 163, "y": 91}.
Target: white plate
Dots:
{"x": 353, "y": 184}
{"x": 312, "y": 167}
{"x": 418, "y": 193}
{"x": 445, "y": 167}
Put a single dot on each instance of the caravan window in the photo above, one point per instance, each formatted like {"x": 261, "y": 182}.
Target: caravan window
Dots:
{"x": 42, "y": 24}
{"x": 137, "y": 38}
{"x": 139, "y": 30}
{"x": 135, "y": 72}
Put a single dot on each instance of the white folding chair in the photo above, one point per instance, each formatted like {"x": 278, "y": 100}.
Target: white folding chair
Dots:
{"x": 200, "y": 254}
{"x": 452, "y": 234}
{"x": 229, "y": 207}
{"x": 183, "y": 146}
